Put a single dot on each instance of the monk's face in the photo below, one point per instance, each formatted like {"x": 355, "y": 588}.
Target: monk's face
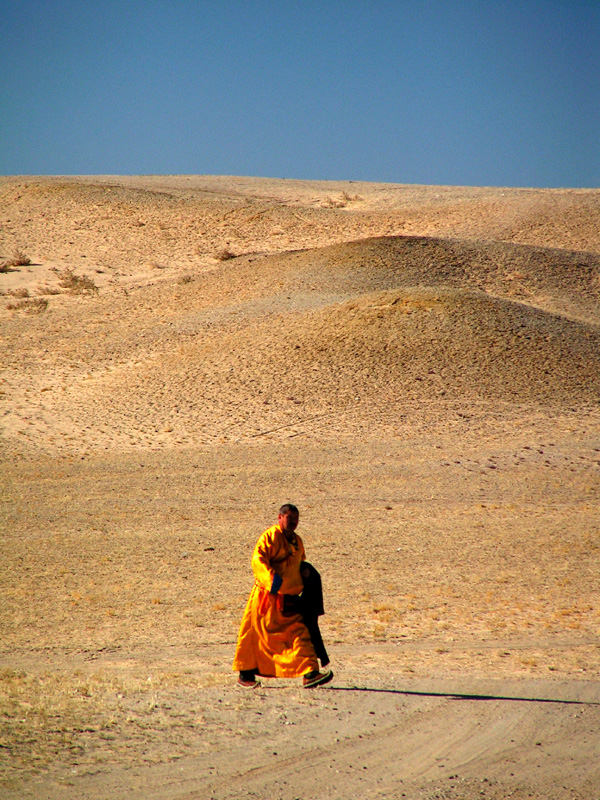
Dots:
{"x": 288, "y": 522}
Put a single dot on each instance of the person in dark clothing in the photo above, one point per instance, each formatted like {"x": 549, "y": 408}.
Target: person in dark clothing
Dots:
{"x": 311, "y": 608}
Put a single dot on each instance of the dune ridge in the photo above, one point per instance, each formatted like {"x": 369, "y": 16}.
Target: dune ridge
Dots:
{"x": 197, "y": 358}
{"x": 418, "y": 368}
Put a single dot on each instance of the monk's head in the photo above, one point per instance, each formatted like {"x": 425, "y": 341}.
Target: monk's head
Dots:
{"x": 288, "y": 518}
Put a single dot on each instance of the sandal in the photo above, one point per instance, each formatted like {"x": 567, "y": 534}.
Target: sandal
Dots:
{"x": 252, "y": 684}
{"x": 316, "y": 679}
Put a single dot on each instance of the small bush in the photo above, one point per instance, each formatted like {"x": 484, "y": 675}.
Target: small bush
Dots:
{"x": 185, "y": 279}
{"x": 19, "y": 259}
{"x": 345, "y": 198}
{"x": 21, "y": 292}
{"x": 48, "y": 290}
{"x": 37, "y": 305}
{"x": 331, "y": 203}
{"x": 75, "y": 284}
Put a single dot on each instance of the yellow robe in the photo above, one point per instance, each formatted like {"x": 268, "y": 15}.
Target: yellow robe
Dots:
{"x": 274, "y": 645}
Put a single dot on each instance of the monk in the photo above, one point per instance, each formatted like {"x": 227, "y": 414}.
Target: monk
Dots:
{"x": 274, "y": 641}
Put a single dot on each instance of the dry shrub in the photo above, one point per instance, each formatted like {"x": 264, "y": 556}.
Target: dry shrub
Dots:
{"x": 22, "y": 291}
{"x": 343, "y": 201}
{"x": 51, "y": 290}
{"x": 331, "y": 203}
{"x": 225, "y": 254}
{"x": 75, "y": 284}
{"x": 19, "y": 259}
{"x": 36, "y": 305}
{"x": 185, "y": 279}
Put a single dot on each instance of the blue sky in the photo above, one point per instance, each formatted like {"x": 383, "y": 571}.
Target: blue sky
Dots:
{"x": 458, "y": 92}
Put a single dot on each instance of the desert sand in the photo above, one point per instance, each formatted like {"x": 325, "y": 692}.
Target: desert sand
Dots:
{"x": 417, "y": 368}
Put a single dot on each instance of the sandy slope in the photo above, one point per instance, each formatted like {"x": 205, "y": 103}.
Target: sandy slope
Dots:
{"x": 417, "y": 367}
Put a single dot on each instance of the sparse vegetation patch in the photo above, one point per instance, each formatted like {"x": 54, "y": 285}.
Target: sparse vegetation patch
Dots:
{"x": 19, "y": 259}
{"x": 342, "y": 201}
{"x": 331, "y": 203}
{"x": 35, "y": 305}
{"x": 75, "y": 284}
{"x": 351, "y": 198}
{"x": 51, "y": 290}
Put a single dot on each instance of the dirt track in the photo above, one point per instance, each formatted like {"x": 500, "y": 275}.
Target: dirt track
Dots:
{"x": 417, "y": 368}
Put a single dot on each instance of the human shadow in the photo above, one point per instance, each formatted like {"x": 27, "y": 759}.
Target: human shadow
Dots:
{"x": 461, "y": 696}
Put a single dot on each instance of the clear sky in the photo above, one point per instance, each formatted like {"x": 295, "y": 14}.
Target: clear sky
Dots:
{"x": 459, "y": 92}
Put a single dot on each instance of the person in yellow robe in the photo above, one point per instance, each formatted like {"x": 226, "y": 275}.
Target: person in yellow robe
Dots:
{"x": 274, "y": 641}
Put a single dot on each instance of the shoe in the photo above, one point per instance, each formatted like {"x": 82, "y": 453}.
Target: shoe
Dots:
{"x": 251, "y": 684}
{"x": 317, "y": 679}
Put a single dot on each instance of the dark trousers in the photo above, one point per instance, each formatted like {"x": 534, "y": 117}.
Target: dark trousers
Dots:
{"x": 312, "y": 608}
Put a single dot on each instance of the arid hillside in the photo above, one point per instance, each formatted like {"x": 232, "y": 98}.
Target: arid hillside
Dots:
{"x": 418, "y": 368}
{"x": 126, "y": 351}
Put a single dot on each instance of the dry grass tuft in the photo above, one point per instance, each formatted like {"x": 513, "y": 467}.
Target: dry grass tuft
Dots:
{"x": 351, "y": 198}
{"x": 75, "y": 284}
{"x": 36, "y": 305}
{"x": 51, "y": 290}
{"x": 80, "y": 720}
{"x": 343, "y": 200}
{"x": 19, "y": 259}
{"x": 22, "y": 291}
{"x": 331, "y": 203}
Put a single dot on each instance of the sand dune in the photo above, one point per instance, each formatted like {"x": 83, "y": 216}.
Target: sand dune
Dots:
{"x": 388, "y": 350}
{"x": 417, "y": 367}
{"x": 199, "y": 358}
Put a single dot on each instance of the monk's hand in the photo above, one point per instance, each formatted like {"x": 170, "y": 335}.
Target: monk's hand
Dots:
{"x": 276, "y": 585}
